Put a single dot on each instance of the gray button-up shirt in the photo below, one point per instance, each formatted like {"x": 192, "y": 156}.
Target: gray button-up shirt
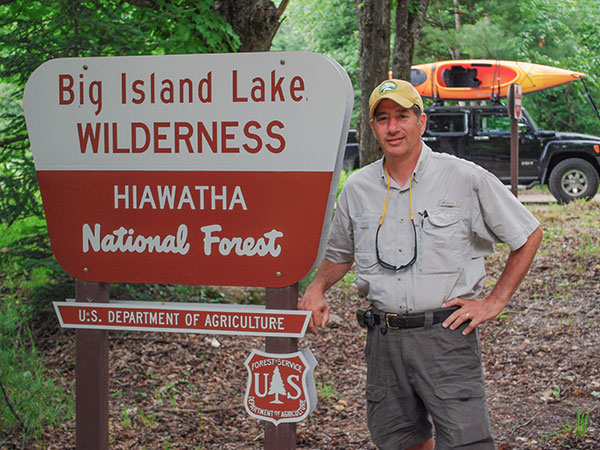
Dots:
{"x": 459, "y": 209}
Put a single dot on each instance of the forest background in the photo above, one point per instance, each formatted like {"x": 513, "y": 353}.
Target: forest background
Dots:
{"x": 562, "y": 34}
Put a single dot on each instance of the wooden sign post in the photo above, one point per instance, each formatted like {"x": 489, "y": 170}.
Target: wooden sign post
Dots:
{"x": 282, "y": 436}
{"x": 91, "y": 375}
{"x": 514, "y": 112}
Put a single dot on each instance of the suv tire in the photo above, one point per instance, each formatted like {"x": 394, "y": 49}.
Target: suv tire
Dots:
{"x": 573, "y": 178}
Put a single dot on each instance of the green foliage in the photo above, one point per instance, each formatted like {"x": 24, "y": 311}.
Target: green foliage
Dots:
{"x": 31, "y": 399}
{"x": 343, "y": 178}
{"x": 168, "y": 293}
{"x": 28, "y": 266}
{"x": 32, "y": 32}
{"x": 326, "y": 390}
{"x": 323, "y": 26}
{"x": 18, "y": 181}
{"x": 187, "y": 26}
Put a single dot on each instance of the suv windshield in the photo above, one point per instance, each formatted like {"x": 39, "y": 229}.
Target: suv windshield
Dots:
{"x": 533, "y": 124}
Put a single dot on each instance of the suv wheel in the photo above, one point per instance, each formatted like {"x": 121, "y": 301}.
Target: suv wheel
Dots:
{"x": 572, "y": 179}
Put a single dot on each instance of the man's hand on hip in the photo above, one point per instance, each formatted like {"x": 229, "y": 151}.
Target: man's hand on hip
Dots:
{"x": 477, "y": 311}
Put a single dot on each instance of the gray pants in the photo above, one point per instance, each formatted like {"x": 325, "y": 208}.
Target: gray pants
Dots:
{"x": 417, "y": 373}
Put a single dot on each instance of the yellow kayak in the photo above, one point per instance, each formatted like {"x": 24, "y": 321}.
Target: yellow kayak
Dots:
{"x": 473, "y": 79}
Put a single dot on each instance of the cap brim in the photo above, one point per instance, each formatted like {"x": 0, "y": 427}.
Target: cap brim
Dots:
{"x": 399, "y": 99}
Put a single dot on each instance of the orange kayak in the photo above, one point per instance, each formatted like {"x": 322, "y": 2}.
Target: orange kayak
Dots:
{"x": 472, "y": 79}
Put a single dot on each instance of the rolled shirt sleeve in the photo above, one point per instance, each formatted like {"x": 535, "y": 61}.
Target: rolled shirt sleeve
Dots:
{"x": 340, "y": 245}
{"x": 501, "y": 216}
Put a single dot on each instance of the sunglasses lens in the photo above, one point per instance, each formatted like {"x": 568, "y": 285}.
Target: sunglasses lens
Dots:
{"x": 389, "y": 266}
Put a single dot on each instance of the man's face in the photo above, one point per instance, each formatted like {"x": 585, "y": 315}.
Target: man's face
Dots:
{"x": 397, "y": 129}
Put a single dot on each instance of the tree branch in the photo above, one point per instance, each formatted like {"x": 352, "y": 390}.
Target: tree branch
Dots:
{"x": 281, "y": 8}
{"x": 142, "y": 3}
{"x": 10, "y": 406}
{"x": 13, "y": 140}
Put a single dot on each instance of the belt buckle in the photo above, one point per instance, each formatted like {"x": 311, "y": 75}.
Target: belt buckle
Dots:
{"x": 387, "y": 321}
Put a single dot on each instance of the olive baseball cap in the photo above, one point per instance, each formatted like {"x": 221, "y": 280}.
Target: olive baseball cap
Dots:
{"x": 400, "y": 91}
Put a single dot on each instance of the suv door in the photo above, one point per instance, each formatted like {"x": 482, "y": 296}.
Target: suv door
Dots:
{"x": 530, "y": 152}
{"x": 490, "y": 146}
{"x": 447, "y": 132}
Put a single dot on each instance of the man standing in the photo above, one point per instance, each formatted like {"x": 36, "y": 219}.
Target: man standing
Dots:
{"x": 417, "y": 225}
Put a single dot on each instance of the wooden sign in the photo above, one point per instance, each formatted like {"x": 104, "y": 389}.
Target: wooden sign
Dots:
{"x": 216, "y": 169}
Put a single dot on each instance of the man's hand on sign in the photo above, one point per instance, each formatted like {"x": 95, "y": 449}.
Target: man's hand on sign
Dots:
{"x": 315, "y": 301}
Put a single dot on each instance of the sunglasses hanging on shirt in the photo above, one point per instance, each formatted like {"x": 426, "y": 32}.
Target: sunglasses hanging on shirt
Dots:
{"x": 381, "y": 262}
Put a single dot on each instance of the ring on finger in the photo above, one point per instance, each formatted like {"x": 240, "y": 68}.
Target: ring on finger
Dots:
{"x": 468, "y": 315}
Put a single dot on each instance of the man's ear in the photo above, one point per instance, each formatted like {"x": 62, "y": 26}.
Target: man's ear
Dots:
{"x": 423, "y": 123}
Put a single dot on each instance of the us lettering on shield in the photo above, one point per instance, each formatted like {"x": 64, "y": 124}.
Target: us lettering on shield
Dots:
{"x": 281, "y": 386}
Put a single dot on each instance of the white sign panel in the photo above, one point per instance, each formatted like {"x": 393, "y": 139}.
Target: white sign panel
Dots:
{"x": 205, "y": 318}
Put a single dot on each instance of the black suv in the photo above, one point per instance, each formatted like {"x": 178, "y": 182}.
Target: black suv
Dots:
{"x": 569, "y": 163}
{"x": 351, "y": 157}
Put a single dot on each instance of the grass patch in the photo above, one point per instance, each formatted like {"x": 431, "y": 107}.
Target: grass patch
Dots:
{"x": 30, "y": 399}
{"x": 576, "y": 431}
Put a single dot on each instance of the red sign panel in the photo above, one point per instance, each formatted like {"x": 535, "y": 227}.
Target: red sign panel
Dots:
{"x": 189, "y": 169}
{"x": 185, "y": 227}
{"x": 281, "y": 387}
{"x": 183, "y": 318}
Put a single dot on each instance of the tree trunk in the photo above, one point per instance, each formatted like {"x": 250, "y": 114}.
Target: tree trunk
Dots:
{"x": 408, "y": 27}
{"x": 456, "y": 15}
{"x": 374, "y": 34}
{"x": 254, "y": 21}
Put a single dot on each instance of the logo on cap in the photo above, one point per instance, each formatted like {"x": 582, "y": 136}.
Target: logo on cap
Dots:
{"x": 387, "y": 86}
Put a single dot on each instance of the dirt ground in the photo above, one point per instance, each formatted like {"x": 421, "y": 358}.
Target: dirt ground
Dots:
{"x": 541, "y": 360}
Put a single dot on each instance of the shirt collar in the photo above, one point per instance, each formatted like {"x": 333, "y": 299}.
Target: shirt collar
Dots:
{"x": 422, "y": 163}
{"x": 420, "y": 168}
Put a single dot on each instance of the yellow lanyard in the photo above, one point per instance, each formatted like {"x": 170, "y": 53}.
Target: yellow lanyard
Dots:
{"x": 387, "y": 194}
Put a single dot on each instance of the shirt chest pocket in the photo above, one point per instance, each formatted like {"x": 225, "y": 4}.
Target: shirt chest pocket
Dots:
{"x": 364, "y": 227}
{"x": 442, "y": 241}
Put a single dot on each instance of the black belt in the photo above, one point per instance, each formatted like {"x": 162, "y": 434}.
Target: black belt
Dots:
{"x": 416, "y": 320}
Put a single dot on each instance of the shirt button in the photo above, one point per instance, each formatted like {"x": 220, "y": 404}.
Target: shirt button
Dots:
{"x": 399, "y": 278}
{"x": 400, "y": 250}
{"x": 401, "y": 220}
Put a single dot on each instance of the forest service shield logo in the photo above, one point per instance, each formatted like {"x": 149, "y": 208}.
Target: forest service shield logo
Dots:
{"x": 281, "y": 386}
